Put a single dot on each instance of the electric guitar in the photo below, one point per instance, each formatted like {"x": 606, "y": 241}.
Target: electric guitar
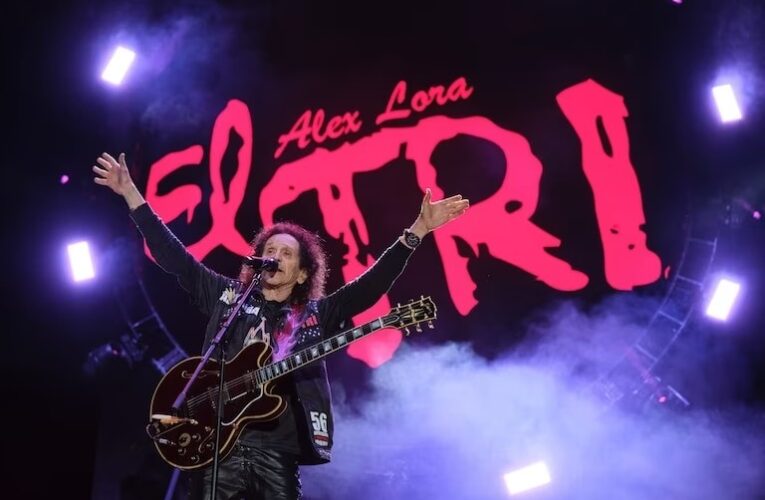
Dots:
{"x": 186, "y": 438}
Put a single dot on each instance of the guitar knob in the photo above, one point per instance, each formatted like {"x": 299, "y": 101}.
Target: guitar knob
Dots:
{"x": 181, "y": 451}
{"x": 194, "y": 459}
{"x": 196, "y": 437}
{"x": 184, "y": 439}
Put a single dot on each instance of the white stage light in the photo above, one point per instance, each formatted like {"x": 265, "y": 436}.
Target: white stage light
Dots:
{"x": 727, "y": 105}
{"x": 723, "y": 299}
{"x": 80, "y": 261}
{"x": 527, "y": 478}
{"x": 118, "y": 65}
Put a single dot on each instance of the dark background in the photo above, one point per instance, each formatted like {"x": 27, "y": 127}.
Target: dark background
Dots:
{"x": 284, "y": 57}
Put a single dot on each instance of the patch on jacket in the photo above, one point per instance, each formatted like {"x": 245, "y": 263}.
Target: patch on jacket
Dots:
{"x": 312, "y": 320}
{"x": 229, "y": 296}
{"x": 258, "y": 334}
{"x": 320, "y": 432}
{"x": 250, "y": 309}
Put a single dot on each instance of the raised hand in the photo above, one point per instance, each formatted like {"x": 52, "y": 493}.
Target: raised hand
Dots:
{"x": 435, "y": 214}
{"x": 115, "y": 175}
{"x": 112, "y": 173}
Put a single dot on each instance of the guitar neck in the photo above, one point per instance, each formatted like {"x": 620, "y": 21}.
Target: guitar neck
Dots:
{"x": 321, "y": 349}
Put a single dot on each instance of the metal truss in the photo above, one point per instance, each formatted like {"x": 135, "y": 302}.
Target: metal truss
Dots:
{"x": 631, "y": 381}
{"x": 146, "y": 337}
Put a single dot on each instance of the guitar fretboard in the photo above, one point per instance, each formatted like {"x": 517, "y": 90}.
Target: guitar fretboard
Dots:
{"x": 410, "y": 314}
{"x": 316, "y": 351}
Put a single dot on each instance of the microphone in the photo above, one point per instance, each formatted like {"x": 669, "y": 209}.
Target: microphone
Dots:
{"x": 261, "y": 263}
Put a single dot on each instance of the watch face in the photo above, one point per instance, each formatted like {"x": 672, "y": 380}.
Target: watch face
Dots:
{"x": 412, "y": 239}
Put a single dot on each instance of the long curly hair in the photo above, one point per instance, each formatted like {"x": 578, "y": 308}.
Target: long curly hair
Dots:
{"x": 312, "y": 258}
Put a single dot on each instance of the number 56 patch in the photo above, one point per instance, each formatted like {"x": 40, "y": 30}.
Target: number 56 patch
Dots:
{"x": 320, "y": 432}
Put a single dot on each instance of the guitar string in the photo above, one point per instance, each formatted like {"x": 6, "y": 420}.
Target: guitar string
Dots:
{"x": 259, "y": 376}
{"x": 195, "y": 401}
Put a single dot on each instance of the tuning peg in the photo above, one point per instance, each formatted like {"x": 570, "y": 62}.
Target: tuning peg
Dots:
{"x": 406, "y": 331}
{"x": 418, "y": 328}
{"x": 430, "y": 325}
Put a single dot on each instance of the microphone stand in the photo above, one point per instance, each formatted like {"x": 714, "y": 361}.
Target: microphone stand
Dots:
{"x": 216, "y": 343}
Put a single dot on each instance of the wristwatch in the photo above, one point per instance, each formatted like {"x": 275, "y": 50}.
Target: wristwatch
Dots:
{"x": 411, "y": 239}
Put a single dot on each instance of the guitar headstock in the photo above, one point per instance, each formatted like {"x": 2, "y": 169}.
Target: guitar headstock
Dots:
{"x": 413, "y": 313}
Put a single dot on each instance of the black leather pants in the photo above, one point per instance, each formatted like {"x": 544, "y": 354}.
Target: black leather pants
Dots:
{"x": 255, "y": 474}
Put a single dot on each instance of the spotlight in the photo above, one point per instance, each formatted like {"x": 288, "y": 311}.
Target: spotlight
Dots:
{"x": 80, "y": 261}
{"x": 118, "y": 65}
{"x": 527, "y": 478}
{"x": 723, "y": 299}
{"x": 726, "y": 102}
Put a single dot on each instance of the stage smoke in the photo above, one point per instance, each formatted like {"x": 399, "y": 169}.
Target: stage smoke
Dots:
{"x": 442, "y": 422}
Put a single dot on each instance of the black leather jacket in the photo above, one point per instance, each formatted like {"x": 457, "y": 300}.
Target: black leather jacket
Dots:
{"x": 213, "y": 294}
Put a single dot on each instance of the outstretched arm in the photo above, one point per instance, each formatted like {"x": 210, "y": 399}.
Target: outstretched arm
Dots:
{"x": 361, "y": 293}
{"x": 435, "y": 214}
{"x": 202, "y": 283}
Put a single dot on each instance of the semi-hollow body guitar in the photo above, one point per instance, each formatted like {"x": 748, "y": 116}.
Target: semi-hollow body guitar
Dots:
{"x": 186, "y": 438}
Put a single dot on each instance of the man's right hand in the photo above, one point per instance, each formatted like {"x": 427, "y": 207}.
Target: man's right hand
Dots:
{"x": 115, "y": 175}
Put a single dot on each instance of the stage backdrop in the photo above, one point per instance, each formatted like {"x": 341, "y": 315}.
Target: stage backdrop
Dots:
{"x": 555, "y": 122}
